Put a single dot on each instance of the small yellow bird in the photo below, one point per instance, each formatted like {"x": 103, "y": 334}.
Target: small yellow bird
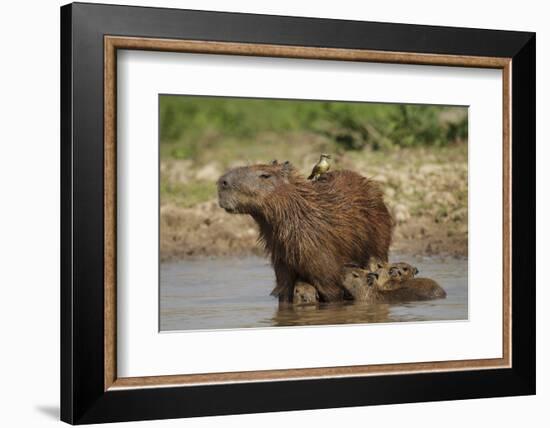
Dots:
{"x": 320, "y": 168}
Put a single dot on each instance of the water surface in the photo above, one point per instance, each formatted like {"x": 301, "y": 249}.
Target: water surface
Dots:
{"x": 234, "y": 293}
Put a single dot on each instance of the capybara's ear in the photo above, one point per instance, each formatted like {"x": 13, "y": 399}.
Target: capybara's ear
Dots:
{"x": 287, "y": 167}
{"x": 274, "y": 162}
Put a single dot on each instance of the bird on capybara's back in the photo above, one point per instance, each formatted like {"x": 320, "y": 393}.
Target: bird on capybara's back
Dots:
{"x": 310, "y": 228}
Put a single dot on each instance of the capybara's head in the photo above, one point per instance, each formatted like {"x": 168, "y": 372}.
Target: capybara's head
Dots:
{"x": 375, "y": 264}
{"x": 382, "y": 275}
{"x": 354, "y": 279}
{"x": 402, "y": 271}
{"x": 246, "y": 189}
{"x": 305, "y": 294}
{"x": 372, "y": 279}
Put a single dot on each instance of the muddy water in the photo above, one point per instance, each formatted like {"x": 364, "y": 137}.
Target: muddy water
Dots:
{"x": 234, "y": 293}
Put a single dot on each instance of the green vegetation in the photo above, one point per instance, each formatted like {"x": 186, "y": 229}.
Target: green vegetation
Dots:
{"x": 192, "y": 124}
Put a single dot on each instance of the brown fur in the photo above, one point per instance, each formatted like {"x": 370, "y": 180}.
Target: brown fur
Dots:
{"x": 310, "y": 229}
{"x": 305, "y": 294}
{"x": 416, "y": 289}
{"x": 403, "y": 270}
{"x": 385, "y": 280}
{"x": 375, "y": 264}
{"x": 392, "y": 275}
{"x": 364, "y": 287}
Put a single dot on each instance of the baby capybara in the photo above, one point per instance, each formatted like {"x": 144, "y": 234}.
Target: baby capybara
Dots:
{"x": 310, "y": 229}
{"x": 367, "y": 287}
{"x": 392, "y": 275}
{"x": 403, "y": 270}
{"x": 304, "y": 294}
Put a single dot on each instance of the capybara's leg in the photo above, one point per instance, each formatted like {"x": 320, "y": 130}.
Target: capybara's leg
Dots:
{"x": 324, "y": 274}
{"x": 285, "y": 279}
{"x": 328, "y": 287}
{"x": 330, "y": 292}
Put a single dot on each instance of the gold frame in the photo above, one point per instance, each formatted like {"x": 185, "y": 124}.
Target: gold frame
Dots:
{"x": 112, "y": 43}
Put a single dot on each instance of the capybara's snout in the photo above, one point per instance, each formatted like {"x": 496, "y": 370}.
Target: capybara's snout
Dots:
{"x": 227, "y": 192}
{"x": 232, "y": 180}
{"x": 223, "y": 191}
{"x": 224, "y": 182}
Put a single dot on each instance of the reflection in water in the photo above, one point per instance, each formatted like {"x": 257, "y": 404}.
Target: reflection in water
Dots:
{"x": 331, "y": 313}
{"x": 234, "y": 293}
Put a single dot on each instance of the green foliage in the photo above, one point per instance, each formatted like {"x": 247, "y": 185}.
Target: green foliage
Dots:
{"x": 423, "y": 120}
{"x": 458, "y": 130}
{"x": 191, "y": 124}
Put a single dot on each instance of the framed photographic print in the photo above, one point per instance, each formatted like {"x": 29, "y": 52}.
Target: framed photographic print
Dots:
{"x": 265, "y": 213}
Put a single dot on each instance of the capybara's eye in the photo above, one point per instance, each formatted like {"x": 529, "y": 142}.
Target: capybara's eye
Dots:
{"x": 265, "y": 175}
{"x": 405, "y": 269}
{"x": 355, "y": 274}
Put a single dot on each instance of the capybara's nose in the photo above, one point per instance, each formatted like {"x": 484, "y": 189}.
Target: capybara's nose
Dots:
{"x": 223, "y": 182}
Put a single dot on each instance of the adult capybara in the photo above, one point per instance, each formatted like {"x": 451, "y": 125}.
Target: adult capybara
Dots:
{"x": 310, "y": 229}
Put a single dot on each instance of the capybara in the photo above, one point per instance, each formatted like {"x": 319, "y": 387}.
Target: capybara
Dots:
{"x": 305, "y": 294}
{"x": 403, "y": 270}
{"x": 375, "y": 264}
{"x": 415, "y": 289}
{"x": 386, "y": 278}
{"x": 391, "y": 275}
{"x": 310, "y": 228}
{"x": 364, "y": 287}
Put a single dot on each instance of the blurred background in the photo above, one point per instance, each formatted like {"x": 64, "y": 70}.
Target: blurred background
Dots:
{"x": 419, "y": 153}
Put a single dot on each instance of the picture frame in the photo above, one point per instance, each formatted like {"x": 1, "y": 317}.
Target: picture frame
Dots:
{"x": 91, "y": 391}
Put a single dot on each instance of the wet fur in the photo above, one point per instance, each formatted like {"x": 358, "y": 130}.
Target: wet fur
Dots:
{"x": 392, "y": 275}
{"x": 364, "y": 287}
{"x": 305, "y": 294}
